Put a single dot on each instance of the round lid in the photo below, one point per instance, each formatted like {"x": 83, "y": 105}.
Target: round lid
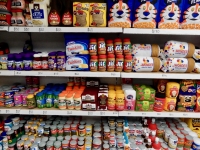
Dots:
{"x": 15, "y": 127}
{"x": 173, "y": 137}
{"x": 20, "y": 142}
{"x": 120, "y": 56}
{"x": 106, "y": 129}
{"x": 111, "y": 56}
{"x": 30, "y": 96}
{"x": 47, "y": 125}
{"x": 74, "y": 137}
{"x": 27, "y": 142}
{"x": 50, "y": 143}
{"x": 188, "y": 137}
{"x": 22, "y": 121}
{"x": 38, "y": 140}
{"x": 163, "y": 145}
{"x": 102, "y": 56}
{"x": 53, "y": 127}
{"x": 96, "y": 141}
{"x": 42, "y": 144}
{"x": 52, "y": 138}
{"x": 45, "y": 139}
{"x": 65, "y": 142}
{"x": 66, "y": 126}
{"x": 126, "y": 40}
{"x": 60, "y": 126}
{"x": 193, "y": 134}
{"x": 101, "y": 39}
{"x": 10, "y": 132}
{"x": 60, "y": 138}
{"x": 93, "y": 40}
{"x": 180, "y": 136}
{"x": 109, "y": 41}
{"x": 82, "y": 123}
{"x": 73, "y": 142}
{"x": 128, "y": 57}
{"x": 96, "y": 134}
{"x": 81, "y": 127}
{"x": 94, "y": 57}
{"x": 196, "y": 141}
{"x": 68, "y": 137}
{"x": 117, "y": 40}
{"x": 61, "y": 53}
{"x": 57, "y": 144}
{"x": 80, "y": 138}
{"x": 187, "y": 129}
{"x": 184, "y": 132}
{"x": 119, "y": 129}
{"x": 80, "y": 142}
{"x": 105, "y": 146}
{"x": 37, "y": 55}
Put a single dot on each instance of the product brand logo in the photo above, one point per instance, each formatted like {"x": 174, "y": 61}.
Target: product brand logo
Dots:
{"x": 71, "y": 62}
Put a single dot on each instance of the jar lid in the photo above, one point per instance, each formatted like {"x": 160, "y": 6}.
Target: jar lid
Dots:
{"x": 65, "y": 142}
{"x": 97, "y": 141}
{"x": 117, "y": 40}
{"x": 42, "y": 144}
{"x": 126, "y": 40}
{"x": 93, "y": 40}
{"x": 36, "y": 55}
{"x": 52, "y": 138}
{"x": 80, "y": 142}
{"x": 120, "y": 56}
{"x": 50, "y": 143}
{"x": 30, "y": 96}
{"x": 73, "y": 142}
{"x": 196, "y": 141}
{"x": 105, "y": 146}
{"x": 15, "y": 127}
{"x": 81, "y": 127}
{"x": 109, "y": 41}
{"x": 10, "y": 132}
{"x": 111, "y": 56}
{"x": 60, "y": 126}
{"x": 80, "y": 138}
{"x": 45, "y": 54}
{"x": 57, "y": 144}
{"x": 101, "y": 39}
{"x": 74, "y": 137}
{"x": 129, "y": 57}
{"x": 102, "y": 56}
{"x": 45, "y": 139}
{"x": 68, "y": 137}
{"x": 60, "y": 138}
{"x": 94, "y": 57}
{"x": 27, "y": 142}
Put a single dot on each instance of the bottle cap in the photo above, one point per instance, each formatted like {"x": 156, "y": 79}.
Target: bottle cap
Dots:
{"x": 153, "y": 133}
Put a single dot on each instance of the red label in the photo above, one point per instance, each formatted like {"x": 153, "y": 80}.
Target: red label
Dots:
{"x": 67, "y": 19}
{"x": 54, "y": 18}
{"x": 50, "y": 148}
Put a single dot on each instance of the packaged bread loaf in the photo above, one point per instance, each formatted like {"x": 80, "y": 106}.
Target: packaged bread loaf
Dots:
{"x": 81, "y": 14}
{"x": 146, "y": 64}
{"x": 149, "y": 50}
{"x": 169, "y": 14}
{"x": 176, "y": 49}
{"x": 145, "y": 13}
{"x": 98, "y": 14}
{"x": 178, "y": 65}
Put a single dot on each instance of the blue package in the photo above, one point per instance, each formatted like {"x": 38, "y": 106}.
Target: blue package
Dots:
{"x": 190, "y": 18}
{"x": 169, "y": 14}
{"x": 76, "y": 44}
{"x": 120, "y": 13}
{"x": 78, "y": 62}
{"x": 145, "y": 13}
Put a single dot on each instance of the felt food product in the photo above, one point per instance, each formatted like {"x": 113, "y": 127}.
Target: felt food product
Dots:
{"x": 172, "y": 89}
{"x": 176, "y": 49}
{"x": 145, "y": 13}
{"x": 197, "y": 108}
{"x": 169, "y": 14}
{"x": 98, "y": 14}
{"x": 46, "y": 2}
{"x": 149, "y": 50}
{"x": 144, "y": 105}
{"x": 190, "y": 18}
{"x": 188, "y": 87}
{"x": 170, "y": 104}
{"x": 178, "y": 65}
{"x": 186, "y": 102}
{"x": 120, "y": 13}
{"x": 144, "y": 92}
{"x": 146, "y": 64}
{"x": 81, "y": 14}
{"x": 78, "y": 62}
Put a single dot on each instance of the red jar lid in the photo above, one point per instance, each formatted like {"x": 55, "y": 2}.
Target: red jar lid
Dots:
{"x": 94, "y": 57}
{"x": 93, "y": 40}
{"x": 129, "y": 57}
{"x": 111, "y": 56}
{"x": 127, "y": 40}
{"x": 102, "y": 56}
{"x": 18, "y": 10}
{"x": 120, "y": 56}
{"x": 118, "y": 40}
{"x": 101, "y": 39}
{"x": 109, "y": 41}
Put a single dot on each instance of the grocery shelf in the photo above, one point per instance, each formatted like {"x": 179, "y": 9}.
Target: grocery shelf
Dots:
{"x": 67, "y": 73}
{"x": 7, "y": 73}
{"x": 13, "y": 110}
{"x": 173, "y": 114}
{"x": 160, "y": 75}
{"x": 67, "y": 29}
{"x": 161, "y": 31}
{"x": 3, "y": 28}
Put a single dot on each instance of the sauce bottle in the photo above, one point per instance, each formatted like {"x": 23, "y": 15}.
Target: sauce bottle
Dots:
{"x": 67, "y": 15}
{"x": 153, "y": 136}
{"x": 54, "y": 15}
{"x": 152, "y": 125}
{"x": 156, "y": 145}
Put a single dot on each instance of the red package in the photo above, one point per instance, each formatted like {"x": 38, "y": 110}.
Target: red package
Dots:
{"x": 5, "y": 19}
{"x": 5, "y": 5}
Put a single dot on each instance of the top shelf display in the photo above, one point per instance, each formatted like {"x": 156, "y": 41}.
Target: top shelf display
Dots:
{"x": 101, "y": 30}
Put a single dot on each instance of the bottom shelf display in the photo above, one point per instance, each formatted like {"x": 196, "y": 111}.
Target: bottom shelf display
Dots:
{"x": 107, "y": 133}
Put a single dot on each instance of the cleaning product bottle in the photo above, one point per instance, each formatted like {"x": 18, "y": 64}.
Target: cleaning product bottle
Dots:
{"x": 152, "y": 125}
{"x": 156, "y": 145}
{"x": 149, "y": 144}
{"x": 145, "y": 127}
{"x": 152, "y": 136}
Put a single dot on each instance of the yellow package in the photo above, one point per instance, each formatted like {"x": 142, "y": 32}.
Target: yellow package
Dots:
{"x": 80, "y": 14}
{"x": 98, "y": 14}
{"x": 193, "y": 124}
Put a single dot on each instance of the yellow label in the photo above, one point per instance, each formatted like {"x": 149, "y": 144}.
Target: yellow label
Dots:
{"x": 98, "y": 14}
{"x": 80, "y": 14}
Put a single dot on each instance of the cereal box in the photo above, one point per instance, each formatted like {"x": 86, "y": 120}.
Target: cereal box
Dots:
{"x": 78, "y": 62}
{"x": 81, "y": 14}
{"x": 120, "y": 14}
{"x": 145, "y": 13}
{"x": 169, "y": 14}
{"x": 98, "y": 14}
{"x": 191, "y": 15}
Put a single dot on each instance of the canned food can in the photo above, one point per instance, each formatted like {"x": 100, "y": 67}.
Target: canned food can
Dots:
{"x": 173, "y": 140}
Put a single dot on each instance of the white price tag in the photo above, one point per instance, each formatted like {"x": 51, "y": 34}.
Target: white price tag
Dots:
{"x": 58, "y": 29}
{"x": 76, "y": 74}
{"x": 18, "y": 72}
{"x": 16, "y": 29}
{"x": 113, "y": 74}
{"x": 155, "y": 31}
{"x": 171, "y": 115}
{"x": 185, "y": 115}
{"x": 69, "y": 112}
{"x": 90, "y": 29}
{"x": 129, "y": 114}
{"x": 26, "y": 29}
{"x": 164, "y": 75}
{"x": 41, "y": 29}
{"x": 144, "y": 114}
{"x": 102, "y": 113}
{"x": 17, "y": 111}
{"x": 158, "y": 114}
{"x": 55, "y": 74}
{"x": 7, "y": 111}
{"x": 44, "y": 112}
{"x": 30, "y": 112}
{"x": 1, "y": 27}
{"x": 115, "y": 113}
{"x": 40, "y": 73}
{"x": 90, "y": 113}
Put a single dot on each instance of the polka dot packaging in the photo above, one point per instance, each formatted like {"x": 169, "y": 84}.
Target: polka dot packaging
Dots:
{"x": 120, "y": 13}
{"x": 145, "y": 13}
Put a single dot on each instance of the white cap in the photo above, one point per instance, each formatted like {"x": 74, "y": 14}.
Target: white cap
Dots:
{"x": 153, "y": 133}
{"x": 149, "y": 140}
{"x": 153, "y": 120}
{"x": 147, "y": 134}
{"x": 157, "y": 140}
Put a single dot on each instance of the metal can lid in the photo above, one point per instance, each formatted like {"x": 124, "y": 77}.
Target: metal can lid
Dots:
{"x": 105, "y": 146}
{"x": 82, "y": 123}
{"x": 97, "y": 141}
{"x": 73, "y": 142}
{"x": 73, "y": 125}
{"x": 50, "y": 143}
{"x": 180, "y": 136}
{"x": 188, "y": 137}
{"x": 120, "y": 129}
{"x": 52, "y": 138}
{"x": 57, "y": 144}
{"x": 106, "y": 130}
{"x": 24, "y": 137}
{"x": 42, "y": 144}
{"x": 20, "y": 142}
{"x": 173, "y": 137}
{"x": 45, "y": 139}
{"x": 68, "y": 137}
{"x": 60, "y": 138}
{"x": 10, "y": 132}
{"x": 97, "y": 128}
{"x": 81, "y": 127}
{"x": 80, "y": 143}
{"x": 22, "y": 121}
{"x": 74, "y": 137}
{"x": 65, "y": 142}
{"x": 80, "y": 138}
{"x": 34, "y": 146}
{"x": 15, "y": 127}
{"x": 163, "y": 145}
{"x": 47, "y": 126}
{"x": 53, "y": 127}
{"x": 96, "y": 134}
{"x": 27, "y": 142}
{"x": 60, "y": 126}
{"x": 67, "y": 126}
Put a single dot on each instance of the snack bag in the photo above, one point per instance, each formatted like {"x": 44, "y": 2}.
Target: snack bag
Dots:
{"x": 145, "y": 13}
{"x": 81, "y": 14}
{"x": 186, "y": 103}
{"x": 98, "y": 14}
{"x": 120, "y": 14}
{"x": 191, "y": 15}
{"x": 169, "y": 14}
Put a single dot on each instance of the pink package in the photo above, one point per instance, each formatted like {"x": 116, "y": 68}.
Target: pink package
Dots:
{"x": 130, "y": 96}
{"x": 18, "y": 100}
{"x": 24, "y": 101}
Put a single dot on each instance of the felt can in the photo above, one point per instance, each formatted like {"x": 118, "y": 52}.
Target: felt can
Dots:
{"x": 173, "y": 140}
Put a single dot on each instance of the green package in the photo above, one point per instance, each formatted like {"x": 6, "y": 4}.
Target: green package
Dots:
{"x": 144, "y": 92}
{"x": 144, "y": 105}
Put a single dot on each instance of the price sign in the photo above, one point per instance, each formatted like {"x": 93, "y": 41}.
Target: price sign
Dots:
{"x": 155, "y": 31}
{"x": 16, "y": 29}
{"x": 102, "y": 113}
{"x": 115, "y": 113}
{"x": 1, "y": 28}
{"x": 7, "y": 111}
{"x": 90, "y": 113}
{"x": 30, "y": 112}
{"x": 69, "y": 112}
{"x": 55, "y": 74}
{"x": 185, "y": 115}
{"x": 41, "y": 29}
{"x": 113, "y": 74}
{"x": 44, "y": 112}
{"x": 40, "y": 73}
{"x": 164, "y": 75}
{"x": 58, "y": 29}
{"x": 17, "y": 111}
{"x": 76, "y": 74}
{"x": 144, "y": 114}
{"x": 90, "y": 29}
{"x": 129, "y": 113}
{"x": 18, "y": 73}
{"x": 171, "y": 115}
{"x": 158, "y": 114}
{"x": 26, "y": 29}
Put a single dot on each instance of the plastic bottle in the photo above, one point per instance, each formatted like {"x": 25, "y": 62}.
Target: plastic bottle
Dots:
{"x": 156, "y": 145}
{"x": 11, "y": 62}
{"x": 127, "y": 46}
{"x": 61, "y": 61}
{"x": 128, "y": 63}
{"x": 101, "y": 46}
{"x": 146, "y": 138}
{"x": 93, "y": 46}
{"x": 28, "y": 62}
{"x": 118, "y": 46}
{"x": 52, "y": 61}
{"x": 152, "y": 136}
{"x": 54, "y": 15}
{"x": 67, "y": 15}
{"x": 19, "y": 62}
{"x": 102, "y": 63}
{"x": 119, "y": 63}
{"x": 152, "y": 125}
{"x": 110, "y": 47}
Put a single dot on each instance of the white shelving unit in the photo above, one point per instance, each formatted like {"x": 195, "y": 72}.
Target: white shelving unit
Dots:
{"x": 4, "y": 28}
